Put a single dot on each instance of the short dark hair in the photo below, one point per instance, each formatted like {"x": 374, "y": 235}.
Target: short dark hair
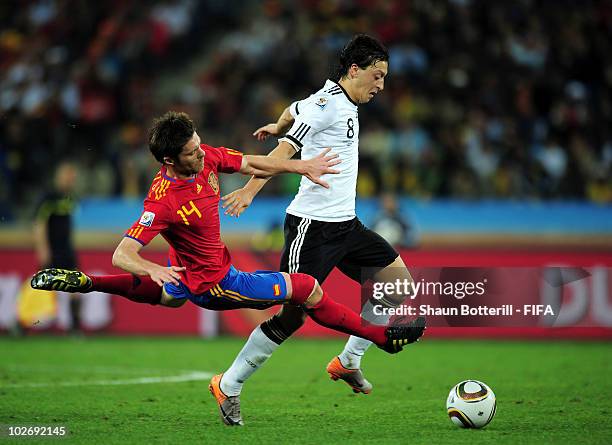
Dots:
{"x": 363, "y": 50}
{"x": 169, "y": 134}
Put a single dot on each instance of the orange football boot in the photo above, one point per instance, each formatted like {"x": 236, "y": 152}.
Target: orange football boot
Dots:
{"x": 353, "y": 377}
{"x": 229, "y": 406}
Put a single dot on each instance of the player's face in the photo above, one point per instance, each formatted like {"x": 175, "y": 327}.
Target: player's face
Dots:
{"x": 191, "y": 160}
{"x": 370, "y": 81}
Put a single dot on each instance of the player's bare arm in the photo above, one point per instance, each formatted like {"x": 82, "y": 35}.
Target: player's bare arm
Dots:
{"x": 313, "y": 169}
{"x": 275, "y": 128}
{"x": 41, "y": 244}
{"x": 236, "y": 202}
{"x": 127, "y": 257}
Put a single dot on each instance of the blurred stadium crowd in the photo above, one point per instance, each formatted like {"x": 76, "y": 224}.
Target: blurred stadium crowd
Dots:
{"x": 483, "y": 99}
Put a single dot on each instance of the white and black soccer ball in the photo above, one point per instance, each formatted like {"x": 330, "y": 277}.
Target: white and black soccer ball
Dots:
{"x": 471, "y": 404}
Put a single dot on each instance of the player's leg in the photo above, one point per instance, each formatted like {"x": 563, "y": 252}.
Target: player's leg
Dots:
{"x": 306, "y": 291}
{"x": 75, "y": 313}
{"x": 260, "y": 290}
{"x": 174, "y": 296}
{"x": 356, "y": 347}
{"x": 260, "y": 346}
{"x": 135, "y": 288}
{"x": 327, "y": 312}
{"x": 366, "y": 250}
{"x": 241, "y": 289}
{"x": 309, "y": 248}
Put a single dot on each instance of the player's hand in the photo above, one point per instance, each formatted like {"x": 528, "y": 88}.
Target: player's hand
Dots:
{"x": 321, "y": 165}
{"x": 262, "y": 133}
{"x": 236, "y": 202}
{"x": 162, "y": 275}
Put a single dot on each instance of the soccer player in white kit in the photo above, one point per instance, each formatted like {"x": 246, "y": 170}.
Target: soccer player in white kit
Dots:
{"x": 321, "y": 228}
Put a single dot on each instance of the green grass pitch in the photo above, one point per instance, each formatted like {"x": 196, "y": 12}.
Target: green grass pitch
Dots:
{"x": 547, "y": 392}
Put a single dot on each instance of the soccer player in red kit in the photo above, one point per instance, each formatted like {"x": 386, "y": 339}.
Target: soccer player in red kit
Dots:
{"x": 183, "y": 206}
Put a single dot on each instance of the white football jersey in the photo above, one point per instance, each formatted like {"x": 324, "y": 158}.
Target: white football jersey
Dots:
{"x": 326, "y": 119}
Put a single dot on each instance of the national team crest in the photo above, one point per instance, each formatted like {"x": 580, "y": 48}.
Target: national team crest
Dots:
{"x": 321, "y": 102}
{"x": 213, "y": 181}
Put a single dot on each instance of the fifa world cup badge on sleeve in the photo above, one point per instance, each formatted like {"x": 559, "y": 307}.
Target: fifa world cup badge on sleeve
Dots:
{"x": 147, "y": 219}
{"x": 321, "y": 102}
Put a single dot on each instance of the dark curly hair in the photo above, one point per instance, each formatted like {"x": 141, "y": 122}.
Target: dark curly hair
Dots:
{"x": 363, "y": 50}
{"x": 169, "y": 134}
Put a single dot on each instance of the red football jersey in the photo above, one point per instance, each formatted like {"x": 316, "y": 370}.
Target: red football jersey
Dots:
{"x": 186, "y": 213}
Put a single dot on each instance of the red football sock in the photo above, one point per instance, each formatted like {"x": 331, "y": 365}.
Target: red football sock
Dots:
{"x": 132, "y": 287}
{"x": 336, "y": 316}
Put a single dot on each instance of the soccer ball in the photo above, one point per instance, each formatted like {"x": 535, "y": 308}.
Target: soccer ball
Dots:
{"x": 471, "y": 404}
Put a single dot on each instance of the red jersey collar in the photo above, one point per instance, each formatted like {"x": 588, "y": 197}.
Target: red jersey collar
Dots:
{"x": 175, "y": 180}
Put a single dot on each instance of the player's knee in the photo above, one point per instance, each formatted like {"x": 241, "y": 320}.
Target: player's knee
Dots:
{"x": 396, "y": 271}
{"x": 315, "y": 296}
{"x": 304, "y": 290}
{"x": 169, "y": 301}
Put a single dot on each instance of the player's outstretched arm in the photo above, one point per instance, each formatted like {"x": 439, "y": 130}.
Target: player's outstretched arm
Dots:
{"x": 313, "y": 169}
{"x": 284, "y": 123}
{"x": 237, "y": 201}
{"x": 127, "y": 257}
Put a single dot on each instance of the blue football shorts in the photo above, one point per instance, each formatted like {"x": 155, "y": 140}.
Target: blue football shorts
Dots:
{"x": 257, "y": 290}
